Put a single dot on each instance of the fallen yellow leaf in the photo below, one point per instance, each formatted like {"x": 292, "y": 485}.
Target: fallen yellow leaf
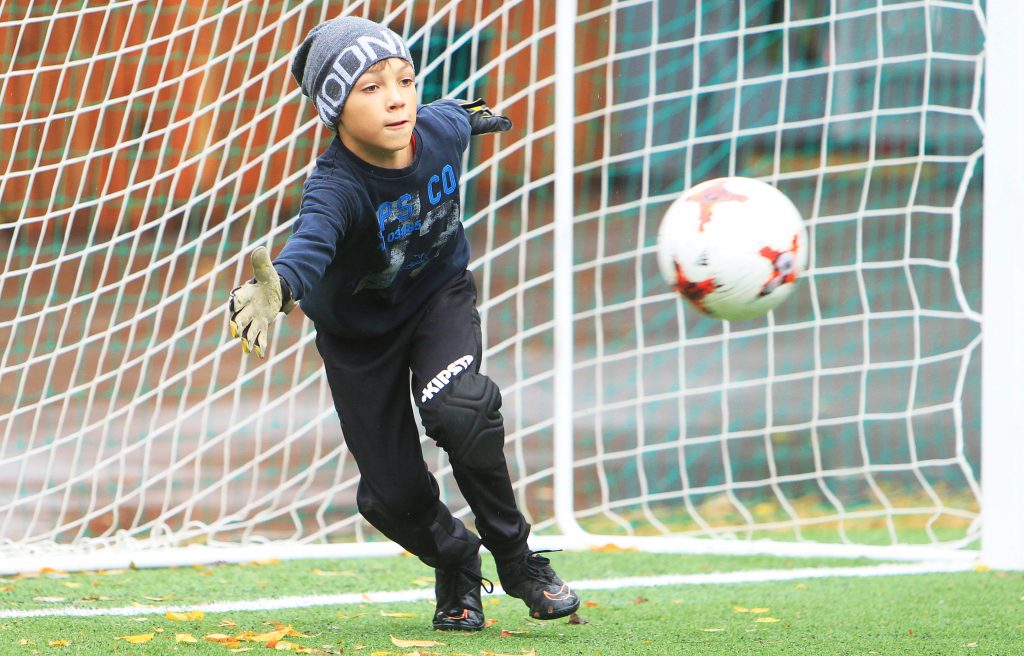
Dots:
{"x": 323, "y": 572}
{"x": 184, "y": 637}
{"x": 218, "y": 637}
{"x": 187, "y": 616}
{"x": 137, "y": 639}
{"x": 343, "y": 616}
{"x": 240, "y": 649}
{"x": 714, "y": 630}
{"x": 506, "y": 633}
{"x": 759, "y": 610}
{"x": 767, "y": 619}
{"x": 59, "y": 643}
{"x": 54, "y": 573}
{"x": 290, "y": 631}
{"x": 272, "y": 638}
{"x": 167, "y": 598}
{"x": 72, "y": 584}
{"x": 404, "y": 644}
{"x": 49, "y": 600}
{"x": 611, "y": 548}
{"x": 740, "y": 609}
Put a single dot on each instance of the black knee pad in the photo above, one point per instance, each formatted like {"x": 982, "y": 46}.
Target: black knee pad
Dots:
{"x": 466, "y": 421}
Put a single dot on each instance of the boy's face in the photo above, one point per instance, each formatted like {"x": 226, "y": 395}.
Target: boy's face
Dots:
{"x": 378, "y": 117}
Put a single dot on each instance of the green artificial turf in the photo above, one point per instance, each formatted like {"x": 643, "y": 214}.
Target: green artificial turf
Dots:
{"x": 965, "y": 613}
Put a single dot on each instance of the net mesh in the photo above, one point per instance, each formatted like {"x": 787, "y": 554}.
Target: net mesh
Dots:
{"x": 148, "y": 147}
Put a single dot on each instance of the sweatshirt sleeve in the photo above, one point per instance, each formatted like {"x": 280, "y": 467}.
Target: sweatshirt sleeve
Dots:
{"x": 322, "y": 222}
{"x": 455, "y": 117}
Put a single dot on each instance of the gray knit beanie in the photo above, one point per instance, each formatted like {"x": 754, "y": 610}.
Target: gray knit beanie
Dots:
{"x": 334, "y": 55}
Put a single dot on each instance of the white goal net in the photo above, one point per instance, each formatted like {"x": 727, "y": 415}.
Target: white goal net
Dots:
{"x": 147, "y": 147}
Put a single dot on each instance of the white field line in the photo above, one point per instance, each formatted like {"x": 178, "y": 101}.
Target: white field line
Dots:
{"x": 305, "y": 601}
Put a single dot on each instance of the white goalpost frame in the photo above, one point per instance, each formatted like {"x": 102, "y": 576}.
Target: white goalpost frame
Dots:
{"x": 1003, "y": 435}
{"x": 1002, "y": 419}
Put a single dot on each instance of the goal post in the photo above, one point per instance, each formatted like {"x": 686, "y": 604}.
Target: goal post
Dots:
{"x": 146, "y": 148}
{"x": 1002, "y": 539}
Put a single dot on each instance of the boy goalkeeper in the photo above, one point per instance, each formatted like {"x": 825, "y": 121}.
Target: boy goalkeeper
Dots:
{"x": 378, "y": 261}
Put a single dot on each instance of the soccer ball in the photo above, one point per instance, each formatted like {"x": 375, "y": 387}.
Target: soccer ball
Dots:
{"x": 733, "y": 247}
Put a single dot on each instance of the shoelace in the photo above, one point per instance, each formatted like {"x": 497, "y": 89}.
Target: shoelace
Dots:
{"x": 538, "y": 567}
{"x": 485, "y": 583}
{"x": 469, "y": 573}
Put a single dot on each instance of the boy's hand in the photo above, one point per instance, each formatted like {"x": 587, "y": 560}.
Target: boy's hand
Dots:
{"x": 254, "y": 305}
{"x": 482, "y": 120}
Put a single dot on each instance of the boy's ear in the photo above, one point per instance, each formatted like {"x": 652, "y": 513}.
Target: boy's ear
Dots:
{"x": 482, "y": 120}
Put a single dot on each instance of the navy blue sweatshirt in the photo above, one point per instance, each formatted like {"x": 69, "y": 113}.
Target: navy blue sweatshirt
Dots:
{"x": 372, "y": 245}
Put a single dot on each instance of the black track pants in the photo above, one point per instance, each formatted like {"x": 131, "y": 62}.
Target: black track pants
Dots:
{"x": 369, "y": 381}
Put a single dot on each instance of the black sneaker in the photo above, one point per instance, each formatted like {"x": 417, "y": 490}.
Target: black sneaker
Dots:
{"x": 457, "y": 591}
{"x": 530, "y": 578}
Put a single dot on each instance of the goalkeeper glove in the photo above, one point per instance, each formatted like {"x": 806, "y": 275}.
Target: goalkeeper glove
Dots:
{"x": 482, "y": 120}
{"x": 254, "y": 305}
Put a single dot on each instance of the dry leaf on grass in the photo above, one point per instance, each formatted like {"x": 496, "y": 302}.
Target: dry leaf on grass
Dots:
{"x": 576, "y": 619}
{"x": 507, "y": 633}
{"x": 290, "y": 631}
{"x": 52, "y": 573}
{"x": 49, "y": 600}
{"x": 326, "y": 572}
{"x": 405, "y": 644}
{"x": 223, "y": 639}
{"x": 59, "y": 643}
{"x": 611, "y": 548}
{"x": 139, "y": 639}
{"x": 187, "y": 616}
{"x": 767, "y": 619}
{"x": 591, "y": 604}
{"x": 184, "y": 637}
